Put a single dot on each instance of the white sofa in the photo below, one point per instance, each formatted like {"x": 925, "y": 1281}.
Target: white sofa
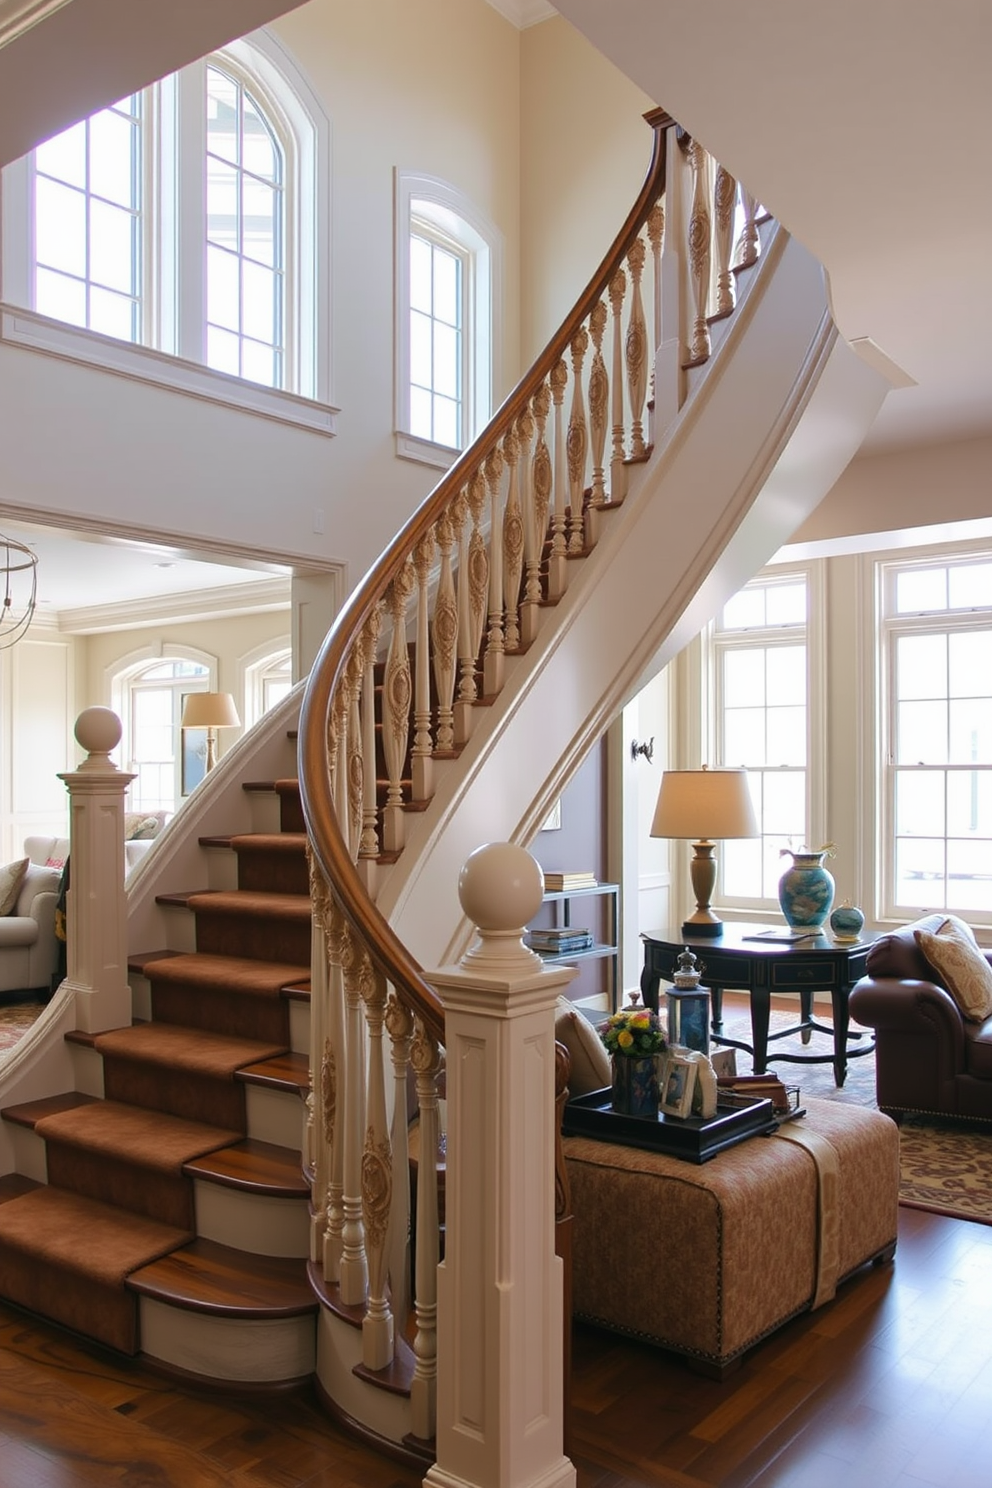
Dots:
{"x": 28, "y": 947}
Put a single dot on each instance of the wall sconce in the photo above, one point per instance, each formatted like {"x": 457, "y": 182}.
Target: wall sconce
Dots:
{"x": 646, "y": 749}
{"x": 210, "y": 711}
{"x": 700, "y": 806}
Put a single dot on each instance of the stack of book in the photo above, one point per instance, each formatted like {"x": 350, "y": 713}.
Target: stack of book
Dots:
{"x": 559, "y": 940}
{"x": 554, "y": 883}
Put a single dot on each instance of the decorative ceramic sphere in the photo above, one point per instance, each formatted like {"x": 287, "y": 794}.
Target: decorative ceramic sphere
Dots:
{"x": 500, "y": 887}
{"x": 846, "y": 923}
{"x": 98, "y": 730}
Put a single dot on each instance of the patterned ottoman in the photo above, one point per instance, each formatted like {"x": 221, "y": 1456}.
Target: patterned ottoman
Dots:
{"x": 709, "y": 1260}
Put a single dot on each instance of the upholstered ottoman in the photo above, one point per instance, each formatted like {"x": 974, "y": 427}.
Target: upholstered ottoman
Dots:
{"x": 707, "y": 1260}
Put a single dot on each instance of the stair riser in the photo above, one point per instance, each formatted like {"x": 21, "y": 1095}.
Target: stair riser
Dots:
{"x": 253, "y": 937}
{"x": 87, "y": 1068}
{"x": 106, "y": 1314}
{"x": 252, "y": 1222}
{"x": 222, "y": 868}
{"x": 181, "y": 1093}
{"x": 275, "y": 1116}
{"x": 164, "y": 1197}
{"x": 277, "y": 872}
{"x": 339, "y": 1352}
{"x": 265, "y": 809}
{"x": 299, "y": 1025}
{"x": 217, "y": 1348}
{"x": 263, "y": 1018}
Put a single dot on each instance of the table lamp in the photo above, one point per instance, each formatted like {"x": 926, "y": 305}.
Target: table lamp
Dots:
{"x": 210, "y": 711}
{"x": 701, "y": 806}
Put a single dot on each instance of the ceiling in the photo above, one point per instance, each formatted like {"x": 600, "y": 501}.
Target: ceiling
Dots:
{"x": 866, "y": 130}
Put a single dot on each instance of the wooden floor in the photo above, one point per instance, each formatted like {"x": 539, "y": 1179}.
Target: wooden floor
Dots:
{"x": 889, "y": 1386}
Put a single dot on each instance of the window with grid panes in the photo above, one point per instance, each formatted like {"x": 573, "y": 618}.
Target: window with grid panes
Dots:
{"x": 760, "y": 674}
{"x": 936, "y": 639}
{"x": 438, "y": 273}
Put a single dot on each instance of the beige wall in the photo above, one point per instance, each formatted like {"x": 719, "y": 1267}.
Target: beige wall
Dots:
{"x": 585, "y": 153}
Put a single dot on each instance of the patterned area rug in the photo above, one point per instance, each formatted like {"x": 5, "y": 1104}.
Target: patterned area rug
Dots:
{"x": 945, "y": 1166}
{"x": 15, "y": 1019}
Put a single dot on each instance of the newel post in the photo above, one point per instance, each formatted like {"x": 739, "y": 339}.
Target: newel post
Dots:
{"x": 96, "y": 903}
{"x": 499, "y": 1404}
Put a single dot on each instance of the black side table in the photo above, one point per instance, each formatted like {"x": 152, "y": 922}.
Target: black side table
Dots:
{"x": 762, "y": 968}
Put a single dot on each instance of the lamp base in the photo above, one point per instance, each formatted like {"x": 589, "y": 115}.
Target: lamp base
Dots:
{"x": 702, "y": 929}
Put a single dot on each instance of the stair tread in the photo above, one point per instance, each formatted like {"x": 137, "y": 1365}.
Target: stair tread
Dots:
{"x": 142, "y": 1137}
{"x": 284, "y": 1071}
{"x": 84, "y": 1236}
{"x": 269, "y": 842}
{"x": 211, "y": 971}
{"x": 204, "y": 1276}
{"x": 175, "y": 1046}
{"x": 250, "y": 902}
{"x": 13, "y": 1185}
{"x": 256, "y": 1167}
{"x": 29, "y": 1113}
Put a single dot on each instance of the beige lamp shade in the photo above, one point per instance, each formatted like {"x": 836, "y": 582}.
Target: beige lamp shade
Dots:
{"x": 210, "y": 711}
{"x": 704, "y": 806}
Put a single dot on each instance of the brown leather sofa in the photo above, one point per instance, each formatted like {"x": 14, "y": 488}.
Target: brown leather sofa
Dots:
{"x": 928, "y": 1058}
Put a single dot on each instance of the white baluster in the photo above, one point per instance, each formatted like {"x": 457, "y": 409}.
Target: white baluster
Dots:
{"x": 513, "y": 542}
{"x": 635, "y": 350}
{"x": 656, "y": 238}
{"x": 618, "y": 470}
{"x": 700, "y": 229}
{"x": 333, "y": 1061}
{"x": 421, "y": 763}
{"x": 533, "y": 542}
{"x": 724, "y": 202}
{"x": 444, "y": 637}
{"x": 599, "y": 398}
{"x": 399, "y": 1025}
{"x": 557, "y": 568}
{"x": 353, "y": 679}
{"x": 317, "y": 1148}
{"x": 426, "y": 1061}
{"x": 749, "y": 242}
{"x": 377, "y": 1183}
{"x": 473, "y": 584}
{"x": 493, "y": 666}
{"x": 578, "y": 440}
{"x": 368, "y": 848}
{"x": 396, "y": 694}
{"x": 354, "y": 1265}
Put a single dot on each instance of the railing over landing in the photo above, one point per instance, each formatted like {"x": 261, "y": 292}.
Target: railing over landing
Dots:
{"x": 419, "y": 649}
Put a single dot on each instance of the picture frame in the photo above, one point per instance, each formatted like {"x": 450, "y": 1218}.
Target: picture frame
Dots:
{"x": 677, "y": 1083}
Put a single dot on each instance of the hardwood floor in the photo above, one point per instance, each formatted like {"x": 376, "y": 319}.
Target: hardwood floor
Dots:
{"x": 889, "y": 1386}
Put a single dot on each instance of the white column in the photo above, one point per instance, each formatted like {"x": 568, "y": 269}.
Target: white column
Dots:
{"x": 96, "y": 903}
{"x": 500, "y": 1407}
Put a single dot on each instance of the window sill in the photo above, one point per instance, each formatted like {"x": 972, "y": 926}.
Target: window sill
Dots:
{"x": 19, "y": 327}
{"x": 409, "y": 447}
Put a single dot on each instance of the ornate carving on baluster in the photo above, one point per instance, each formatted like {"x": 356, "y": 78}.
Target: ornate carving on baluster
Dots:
{"x": 354, "y": 675}
{"x": 656, "y": 238}
{"x": 332, "y": 1066}
{"x": 358, "y": 975}
{"x": 557, "y": 580}
{"x": 599, "y": 397}
{"x": 724, "y": 201}
{"x": 421, "y": 764}
{"x": 316, "y": 1148}
{"x": 397, "y": 693}
{"x": 492, "y": 672}
{"x": 426, "y": 1060}
{"x": 635, "y": 352}
{"x": 377, "y": 1182}
{"x": 478, "y": 566}
{"x": 399, "y": 1026}
{"x": 471, "y": 598}
{"x": 513, "y": 542}
{"x": 444, "y": 637}
{"x": 368, "y": 847}
{"x": 618, "y": 471}
{"x": 700, "y": 229}
{"x": 532, "y": 538}
{"x": 578, "y": 440}
{"x": 749, "y": 243}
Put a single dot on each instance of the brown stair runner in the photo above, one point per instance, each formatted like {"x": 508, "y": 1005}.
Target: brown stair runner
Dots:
{"x": 224, "y": 993}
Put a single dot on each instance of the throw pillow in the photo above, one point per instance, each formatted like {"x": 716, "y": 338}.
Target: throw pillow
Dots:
{"x": 590, "y": 1063}
{"x": 147, "y": 827}
{"x": 55, "y": 862}
{"x": 132, "y": 820}
{"x": 954, "y": 954}
{"x": 11, "y": 879}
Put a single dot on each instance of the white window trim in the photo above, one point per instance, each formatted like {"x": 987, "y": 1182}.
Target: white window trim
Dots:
{"x": 252, "y": 667}
{"x": 416, "y": 194}
{"x": 170, "y": 318}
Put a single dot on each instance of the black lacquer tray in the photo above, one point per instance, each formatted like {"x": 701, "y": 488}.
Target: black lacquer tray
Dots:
{"x": 690, "y": 1138}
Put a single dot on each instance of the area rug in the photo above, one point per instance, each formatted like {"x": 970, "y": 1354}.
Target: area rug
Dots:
{"x": 15, "y": 1020}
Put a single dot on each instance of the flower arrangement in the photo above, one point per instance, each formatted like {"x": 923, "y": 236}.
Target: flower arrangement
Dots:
{"x": 635, "y": 1032}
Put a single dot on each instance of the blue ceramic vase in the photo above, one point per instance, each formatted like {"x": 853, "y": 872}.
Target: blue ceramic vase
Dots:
{"x": 635, "y": 1085}
{"x": 806, "y": 890}
{"x": 846, "y": 923}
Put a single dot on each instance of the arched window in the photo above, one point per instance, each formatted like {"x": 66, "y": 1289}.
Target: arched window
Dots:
{"x": 190, "y": 218}
{"x": 268, "y": 677}
{"x": 148, "y": 697}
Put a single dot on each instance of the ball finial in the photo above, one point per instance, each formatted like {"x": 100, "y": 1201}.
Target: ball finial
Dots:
{"x": 500, "y": 888}
{"x": 98, "y": 730}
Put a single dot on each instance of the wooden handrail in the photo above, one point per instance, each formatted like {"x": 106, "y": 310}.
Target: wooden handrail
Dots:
{"x": 329, "y": 844}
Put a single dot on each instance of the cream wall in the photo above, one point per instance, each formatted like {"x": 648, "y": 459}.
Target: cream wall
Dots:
{"x": 586, "y": 149}
{"x": 433, "y": 87}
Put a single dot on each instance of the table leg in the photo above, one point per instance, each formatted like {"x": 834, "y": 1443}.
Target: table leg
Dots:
{"x": 716, "y": 1008}
{"x": 838, "y": 1000}
{"x": 760, "y": 1013}
{"x": 806, "y": 1007}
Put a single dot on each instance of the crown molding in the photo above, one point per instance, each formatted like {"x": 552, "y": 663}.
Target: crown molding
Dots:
{"x": 523, "y": 13}
{"x": 200, "y": 604}
{"x": 18, "y": 16}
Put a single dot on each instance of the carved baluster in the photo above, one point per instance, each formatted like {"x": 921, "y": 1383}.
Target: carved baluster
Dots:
{"x": 396, "y": 694}
{"x": 724, "y": 201}
{"x": 749, "y": 243}
{"x": 421, "y": 764}
{"x": 635, "y": 350}
{"x": 444, "y": 636}
{"x": 317, "y": 1147}
{"x": 599, "y": 397}
{"x": 331, "y": 1087}
{"x": 618, "y": 470}
{"x": 354, "y": 674}
{"x": 541, "y": 474}
{"x": 578, "y": 440}
{"x": 513, "y": 542}
{"x": 700, "y": 230}
{"x": 399, "y": 1026}
{"x": 377, "y": 1181}
{"x": 656, "y": 237}
{"x": 473, "y": 582}
{"x": 368, "y": 847}
{"x": 426, "y": 1061}
{"x": 532, "y": 532}
{"x": 492, "y": 671}
{"x": 557, "y": 580}
{"x": 354, "y": 1264}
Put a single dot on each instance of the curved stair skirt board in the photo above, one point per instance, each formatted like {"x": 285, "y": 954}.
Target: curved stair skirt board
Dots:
{"x": 382, "y": 1413}
{"x": 632, "y": 606}
{"x": 276, "y": 1116}
{"x": 39, "y": 1064}
{"x": 253, "y": 1222}
{"x": 229, "y": 1350}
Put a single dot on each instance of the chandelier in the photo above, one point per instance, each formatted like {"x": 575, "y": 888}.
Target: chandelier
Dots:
{"x": 19, "y": 578}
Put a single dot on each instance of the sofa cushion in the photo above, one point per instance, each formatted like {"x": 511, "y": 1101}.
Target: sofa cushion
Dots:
{"x": 590, "y": 1063}
{"x": 954, "y": 953}
{"x": 978, "y": 1049}
{"x": 898, "y": 953}
{"x": 11, "y": 878}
